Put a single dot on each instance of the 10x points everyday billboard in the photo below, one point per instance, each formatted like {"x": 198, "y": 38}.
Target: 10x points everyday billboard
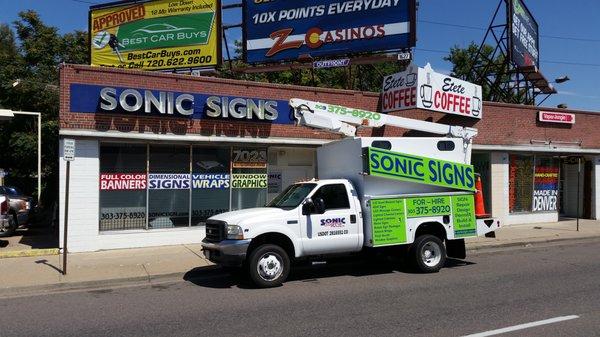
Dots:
{"x": 155, "y": 35}
{"x": 283, "y": 30}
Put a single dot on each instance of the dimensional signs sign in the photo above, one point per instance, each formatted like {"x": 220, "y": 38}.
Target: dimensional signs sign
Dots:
{"x": 389, "y": 216}
{"x": 142, "y": 102}
{"x": 556, "y": 117}
{"x": 524, "y": 37}
{"x": 420, "y": 170}
{"x": 154, "y": 35}
{"x": 425, "y": 89}
{"x": 281, "y": 30}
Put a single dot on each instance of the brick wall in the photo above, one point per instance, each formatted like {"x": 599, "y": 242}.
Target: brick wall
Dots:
{"x": 502, "y": 124}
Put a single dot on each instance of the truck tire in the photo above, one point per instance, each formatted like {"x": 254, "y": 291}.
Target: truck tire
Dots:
{"x": 428, "y": 253}
{"x": 9, "y": 229}
{"x": 269, "y": 266}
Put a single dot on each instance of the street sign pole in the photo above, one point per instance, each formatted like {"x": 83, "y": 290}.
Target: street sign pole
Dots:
{"x": 68, "y": 156}
{"x": 578, "y": 196}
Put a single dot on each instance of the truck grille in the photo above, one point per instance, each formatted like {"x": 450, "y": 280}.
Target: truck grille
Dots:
{"x": 215, "y": 230}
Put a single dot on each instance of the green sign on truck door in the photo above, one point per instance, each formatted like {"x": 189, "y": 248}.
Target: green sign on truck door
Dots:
{"x": 388, "y": 221}
{"x": 465, "y": 224}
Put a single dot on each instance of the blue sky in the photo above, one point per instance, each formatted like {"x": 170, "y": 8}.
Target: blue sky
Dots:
{"x": 559, "y": 22}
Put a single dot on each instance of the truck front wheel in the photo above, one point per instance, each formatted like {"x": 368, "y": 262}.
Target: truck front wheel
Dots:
{"x": 428, "y": 253}
{"x": 269, "y": 266}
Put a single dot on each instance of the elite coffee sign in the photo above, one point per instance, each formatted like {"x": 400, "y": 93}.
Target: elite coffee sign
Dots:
{"x": 423, "y": 88}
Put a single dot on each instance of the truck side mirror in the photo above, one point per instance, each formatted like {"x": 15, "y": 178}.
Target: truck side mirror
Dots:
{"x": 319, "y": 206}
{"x": 308, "y": 207}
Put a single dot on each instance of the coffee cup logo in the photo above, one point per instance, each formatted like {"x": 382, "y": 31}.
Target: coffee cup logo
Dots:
{"x": 427, "y": 92}
{"x": 476, "y": 103}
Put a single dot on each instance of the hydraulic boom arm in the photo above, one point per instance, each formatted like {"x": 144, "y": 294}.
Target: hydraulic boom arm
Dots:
{"x": 346, "y": 121}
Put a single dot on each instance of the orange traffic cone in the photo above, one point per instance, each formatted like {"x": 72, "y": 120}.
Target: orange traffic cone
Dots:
{"x": 479, "y": 204}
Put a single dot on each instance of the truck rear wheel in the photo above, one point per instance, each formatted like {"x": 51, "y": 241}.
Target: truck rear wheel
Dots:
{"x": 428, "y": 253}
{"x": 269, "y": 266}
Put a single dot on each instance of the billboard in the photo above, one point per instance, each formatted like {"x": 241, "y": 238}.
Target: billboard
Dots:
{"x": 281, "y": 30}
{"x": 423, "y": 88}
{"x": 155, "y": 35}
{"x": 524, "y": 35}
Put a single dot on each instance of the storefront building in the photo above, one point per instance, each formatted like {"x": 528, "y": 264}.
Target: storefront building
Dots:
{"x": 157, "y": 154}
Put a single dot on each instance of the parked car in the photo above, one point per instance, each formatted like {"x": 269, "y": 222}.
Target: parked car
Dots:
{"x": 7, "y": 220}
{"x": 19, "y": 208}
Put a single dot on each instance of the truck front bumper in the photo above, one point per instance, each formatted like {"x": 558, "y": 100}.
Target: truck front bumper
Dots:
{"x": 227, "y": 252}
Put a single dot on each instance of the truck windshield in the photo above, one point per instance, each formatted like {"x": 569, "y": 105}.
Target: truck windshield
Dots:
{"x": 292, "y": 196}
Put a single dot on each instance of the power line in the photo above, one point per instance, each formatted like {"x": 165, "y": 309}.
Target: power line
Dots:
{"x": 86, "y": 2}
{"x": 483, "y": 29}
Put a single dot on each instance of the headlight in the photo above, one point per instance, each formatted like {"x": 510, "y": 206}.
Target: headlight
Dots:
{"x": 235, "y": 232}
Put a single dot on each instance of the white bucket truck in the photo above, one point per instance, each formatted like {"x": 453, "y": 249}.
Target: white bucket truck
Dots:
{"x": 372, "y": 192}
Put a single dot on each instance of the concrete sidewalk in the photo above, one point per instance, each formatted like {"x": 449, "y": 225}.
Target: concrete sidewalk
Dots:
{"x": 28, "y": 275}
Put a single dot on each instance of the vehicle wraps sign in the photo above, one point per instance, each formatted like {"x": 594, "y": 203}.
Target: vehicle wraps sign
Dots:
{"x": 249, "y": 180}
{"x": 545, "y": 186}
{"x": 524, "y": 36}
{"x": 155, "y": 35}
{"x": 556, "y": 117}
{"x": 141, "y": 102}
{"x": 210, "y": 181}
{"x": 281, "y": 30}
{"x": 423, "y": 88}
{"x": 417, "y": 169}
{"x": 463, "y": 216}
{"x": 122, "y": 181}
{"x": 389, "y": 216}
{"x": 388, "y": 221}
{"x": 169, "y": 181}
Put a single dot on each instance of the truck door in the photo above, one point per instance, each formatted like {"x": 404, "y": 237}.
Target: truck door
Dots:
{"x": 336, "y": 230}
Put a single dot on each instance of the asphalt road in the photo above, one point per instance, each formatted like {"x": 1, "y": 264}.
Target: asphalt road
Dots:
{"x": 490, "y": 291}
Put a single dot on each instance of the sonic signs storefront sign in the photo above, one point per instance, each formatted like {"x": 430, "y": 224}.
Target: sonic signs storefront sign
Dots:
{"x": 279, "y": 30}
{"x": 98, "y": 99}
{"x": 425, "y": 89}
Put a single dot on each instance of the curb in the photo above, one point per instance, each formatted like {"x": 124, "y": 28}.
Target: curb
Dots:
{"x": 482, "y": 248}
{"x": 29, "y": 253}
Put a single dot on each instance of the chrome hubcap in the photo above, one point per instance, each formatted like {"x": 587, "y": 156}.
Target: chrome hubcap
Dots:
{"x": 431, "y": 254}
{"x": 270, "y": 266}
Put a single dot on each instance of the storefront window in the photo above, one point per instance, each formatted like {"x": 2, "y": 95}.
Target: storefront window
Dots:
{"x": 122, "y": 187}
{"x": 248, "y": 178}
{"x": 533, "y": 184}
{"x": 210, "y": 183}
{"x": 521, "y": 183}
{"x": 169, "y": 186}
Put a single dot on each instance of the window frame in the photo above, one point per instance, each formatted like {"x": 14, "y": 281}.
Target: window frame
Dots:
{"x": 335, "y": 184}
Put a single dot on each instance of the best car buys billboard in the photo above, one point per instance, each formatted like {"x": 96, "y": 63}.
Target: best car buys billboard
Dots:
{"x": 524, "y": 45}
{"x": 155, "y": 35}
{"x": 283, "y": 30}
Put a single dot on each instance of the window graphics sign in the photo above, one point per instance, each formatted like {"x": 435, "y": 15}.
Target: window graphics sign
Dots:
{"x": 122, "y": 181}
{"x": 423, "y": 88}
{"x": 545, "y": 189}
{"x": 169, "y": 181}
{"x": 249, "y": 180}
{"x": 284, "y": 30}
{"x": 142, "y": 102}
{"x": 556, "y": 117}
{"x": 154, "y": 35}
{"x": 523, "y": 35}
{"x": 421, "y": 170}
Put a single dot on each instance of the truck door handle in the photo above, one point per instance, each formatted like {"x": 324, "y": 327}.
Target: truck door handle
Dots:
{"x": 353, "y": 218}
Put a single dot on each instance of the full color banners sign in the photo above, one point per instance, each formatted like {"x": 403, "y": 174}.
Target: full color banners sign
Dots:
{"x": 155, "y": 35}
{"x": 423, "y": 88}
